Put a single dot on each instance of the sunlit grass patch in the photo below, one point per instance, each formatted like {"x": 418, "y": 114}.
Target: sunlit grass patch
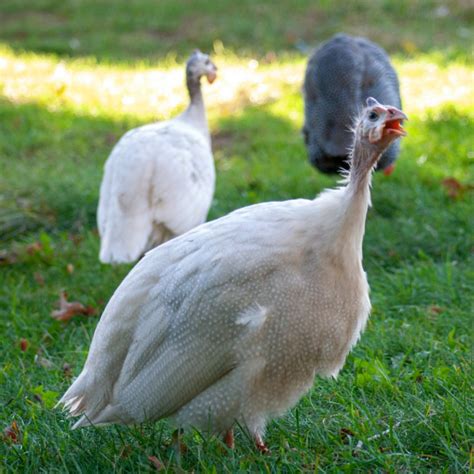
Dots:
{"x": 139, "y": 90}
{"x": 426, "y": 84}
{"x": 158, "y": 92}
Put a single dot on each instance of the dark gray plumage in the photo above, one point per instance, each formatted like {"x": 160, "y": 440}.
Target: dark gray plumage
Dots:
{"x": 340, "y": 75}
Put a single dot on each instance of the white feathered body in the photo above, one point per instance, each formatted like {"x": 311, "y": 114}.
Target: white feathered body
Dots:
{"x": 232, "y": 320}
{"x": 158, "y": 183}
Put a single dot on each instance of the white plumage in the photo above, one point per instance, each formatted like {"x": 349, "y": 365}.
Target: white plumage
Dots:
{"x": 232, "y": 320}
{"x": 159, "y": 179}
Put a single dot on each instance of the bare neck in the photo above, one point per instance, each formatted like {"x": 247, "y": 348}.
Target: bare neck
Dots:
{"x": 195, "y": 113}
{"x": 357, "y": 196}
{"x": 194, "y": 89}
{"x": 364, "y": 156}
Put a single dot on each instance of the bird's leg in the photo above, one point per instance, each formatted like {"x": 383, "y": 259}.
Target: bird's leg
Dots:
{"x": 260, "y": 445}
{"x": 229, "y": 438}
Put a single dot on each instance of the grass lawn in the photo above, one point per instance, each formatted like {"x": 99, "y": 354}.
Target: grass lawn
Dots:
{"x": 75, "y": 75}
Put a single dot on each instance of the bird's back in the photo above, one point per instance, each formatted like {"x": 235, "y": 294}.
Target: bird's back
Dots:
{"x": 337, "y": 71}
{"x": 159, "y": 178}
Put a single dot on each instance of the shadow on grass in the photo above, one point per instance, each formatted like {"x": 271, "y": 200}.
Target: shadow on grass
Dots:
{"x": 146, "y": 30}
{"x": 53, "y": 161}
{"x": 53, "y": 166}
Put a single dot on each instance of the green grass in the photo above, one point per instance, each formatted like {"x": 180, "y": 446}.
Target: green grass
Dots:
{"x": 403, "y": 402}
{"x": 124, "y": 29}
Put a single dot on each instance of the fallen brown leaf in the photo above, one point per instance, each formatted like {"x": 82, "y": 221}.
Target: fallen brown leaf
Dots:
{"x": 23, "y": 344}
{"x": 345, "y": 434}
{"x": 436, "y": 309}
{"x": 33, "y": 248}
{"x": 158, "y": 465}
{"x": 68, "y": 310}
{"x": 12, "y": 433}
{"x": 454, "y": 188}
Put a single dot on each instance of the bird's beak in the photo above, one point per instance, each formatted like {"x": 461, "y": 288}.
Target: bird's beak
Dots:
{"x": 211, "y": 76}
{"x": 393, "y": 123}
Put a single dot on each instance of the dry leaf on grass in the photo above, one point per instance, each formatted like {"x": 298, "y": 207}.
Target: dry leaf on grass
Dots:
{"x": 33, "y": 248}
{"x": 454, "y": 188}
{"x": 23, "y": 344}
{"x": 12, "y": 433}
{"x": 345, "y": 434}
{"x": 69, "y": 309}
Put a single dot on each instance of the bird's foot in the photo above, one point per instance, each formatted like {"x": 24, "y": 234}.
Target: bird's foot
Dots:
{"x": 260, "y": 445}
{"x": 229, "y": 438}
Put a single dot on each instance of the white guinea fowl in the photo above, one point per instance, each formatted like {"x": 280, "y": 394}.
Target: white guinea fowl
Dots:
{"x": 231, "y": 321}
{"x": 159, "y": 179}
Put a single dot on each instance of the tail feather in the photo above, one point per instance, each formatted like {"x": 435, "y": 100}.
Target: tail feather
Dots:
{"x": 110, "y": 414}
{"x": 125, "y": 239}
{"x": 84, "y": 398}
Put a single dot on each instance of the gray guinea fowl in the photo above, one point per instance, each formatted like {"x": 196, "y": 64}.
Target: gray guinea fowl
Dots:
{"x": 340, "y": 75}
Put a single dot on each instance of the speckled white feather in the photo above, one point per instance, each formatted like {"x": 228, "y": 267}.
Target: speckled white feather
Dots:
{"x": 225, "y": 317}
{"x": 232, "y": 320}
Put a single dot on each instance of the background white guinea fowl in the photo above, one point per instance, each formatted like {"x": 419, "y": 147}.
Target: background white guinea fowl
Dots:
{"x": 231, "y": 321}
{"x": 159, "y": 179}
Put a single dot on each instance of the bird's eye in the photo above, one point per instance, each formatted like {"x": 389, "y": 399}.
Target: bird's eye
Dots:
{"x": 373, "y": 116}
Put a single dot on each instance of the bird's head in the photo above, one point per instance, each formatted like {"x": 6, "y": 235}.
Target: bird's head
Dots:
{"x": 198, "y": 65}
{"x": 379, "y": 125}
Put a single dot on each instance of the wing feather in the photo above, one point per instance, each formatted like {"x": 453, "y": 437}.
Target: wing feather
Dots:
{"x": 176, "y": 324}
{"x": 158, "y": 180}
